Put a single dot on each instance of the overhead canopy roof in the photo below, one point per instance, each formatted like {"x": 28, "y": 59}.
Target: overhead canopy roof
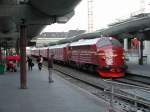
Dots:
{"x": 138, "y": 24}
{"x": 35, "y": 13}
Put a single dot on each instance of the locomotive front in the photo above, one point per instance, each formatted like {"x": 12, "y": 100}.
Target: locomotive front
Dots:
{"x": 110, "y": 57}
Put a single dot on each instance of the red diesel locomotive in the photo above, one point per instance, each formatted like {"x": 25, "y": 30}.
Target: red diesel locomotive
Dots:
{"x": 105, "y": 55}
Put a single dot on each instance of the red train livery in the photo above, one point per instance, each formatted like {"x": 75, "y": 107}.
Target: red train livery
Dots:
{"x": 105, "y": 55}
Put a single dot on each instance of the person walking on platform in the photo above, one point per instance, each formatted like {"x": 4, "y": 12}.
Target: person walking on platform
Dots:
{"x": 40, "y": 62}
{"x": 30, "y": 64}
{"x": 50, "y": 68}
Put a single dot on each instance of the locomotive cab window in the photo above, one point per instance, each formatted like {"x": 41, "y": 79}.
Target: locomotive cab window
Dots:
{"x": 106, "y": 42}
{"x": 103, "y": 42}
{"x": 115, "y": 42}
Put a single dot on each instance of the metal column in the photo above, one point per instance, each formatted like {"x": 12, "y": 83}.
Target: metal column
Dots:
{"x": 17, "y": 46}
{"x": 23, "y": 73}
{"x": 141, "y": 52}
{"x": 18, "y": 50}
{"x": 6, "y": 49}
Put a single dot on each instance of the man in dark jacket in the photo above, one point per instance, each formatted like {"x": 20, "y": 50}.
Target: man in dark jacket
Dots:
{"x": 30, "y": 63}
{"x": 50, "y": 68}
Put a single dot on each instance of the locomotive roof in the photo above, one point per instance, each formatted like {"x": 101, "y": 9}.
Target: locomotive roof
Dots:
{"x": 87, "y": 41}
{"x": 58, "y": 46}
{"x": 44, "y": 47}
{"x": 35, "y": 48}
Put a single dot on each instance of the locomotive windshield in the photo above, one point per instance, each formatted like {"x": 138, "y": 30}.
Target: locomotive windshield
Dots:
{"x": 115, "y": 42}
{"x": 107, "y": 41}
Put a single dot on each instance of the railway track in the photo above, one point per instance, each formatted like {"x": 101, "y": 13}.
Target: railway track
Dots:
{"x": 104, "y": 85}
{"x": 125, "y": 80}
{"x": 131, "y": 81}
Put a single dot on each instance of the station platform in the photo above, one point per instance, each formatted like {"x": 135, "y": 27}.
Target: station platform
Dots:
{"x": 141, "y": 70}
{"x": 41, "y": 96}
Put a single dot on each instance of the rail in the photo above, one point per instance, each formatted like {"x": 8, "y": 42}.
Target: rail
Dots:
{"x": 134, "y": 96}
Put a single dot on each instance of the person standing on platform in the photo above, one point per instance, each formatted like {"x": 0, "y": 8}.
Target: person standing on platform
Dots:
{"x": 40, "y": 62}
{"x": 30, "y": 64}
{"x": 50, "y": 68}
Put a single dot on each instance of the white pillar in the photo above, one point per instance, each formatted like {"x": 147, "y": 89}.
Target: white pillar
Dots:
{"x": 147, "y": 47}
{"x": 125, "y": 44}
{"x": 146, "y": 50}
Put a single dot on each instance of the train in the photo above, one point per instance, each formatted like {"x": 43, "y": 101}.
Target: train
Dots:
{"x": 105, "y": 55}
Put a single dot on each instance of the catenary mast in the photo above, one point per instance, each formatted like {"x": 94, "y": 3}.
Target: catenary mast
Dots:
{"x": 90, "y": 15}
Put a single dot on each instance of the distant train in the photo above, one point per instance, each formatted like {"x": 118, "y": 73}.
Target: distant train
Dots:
{"x": 105, "y": 55}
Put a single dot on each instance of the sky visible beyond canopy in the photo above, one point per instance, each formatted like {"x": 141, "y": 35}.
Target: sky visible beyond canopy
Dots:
{"x": 104, "y": 13}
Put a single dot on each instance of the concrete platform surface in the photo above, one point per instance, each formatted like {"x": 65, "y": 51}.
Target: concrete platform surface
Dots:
{"x": 142, "y": 70}
{"x": 60, "y": 96}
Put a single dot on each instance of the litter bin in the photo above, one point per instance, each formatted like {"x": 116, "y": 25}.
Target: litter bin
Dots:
{"x": 2, "y": 68}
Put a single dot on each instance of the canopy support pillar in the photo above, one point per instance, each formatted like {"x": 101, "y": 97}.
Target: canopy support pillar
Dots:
{"x": 23, "y": 72}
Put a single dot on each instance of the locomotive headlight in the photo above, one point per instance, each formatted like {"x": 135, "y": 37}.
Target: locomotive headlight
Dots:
{"x": 114, "y": 55}
{"x": 123, "y": 56}
{"x": 103, "y": 57}
{"x": 101, "y": 54}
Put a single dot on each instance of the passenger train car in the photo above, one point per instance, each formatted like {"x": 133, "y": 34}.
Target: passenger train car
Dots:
{"x": 105, "y": 55}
